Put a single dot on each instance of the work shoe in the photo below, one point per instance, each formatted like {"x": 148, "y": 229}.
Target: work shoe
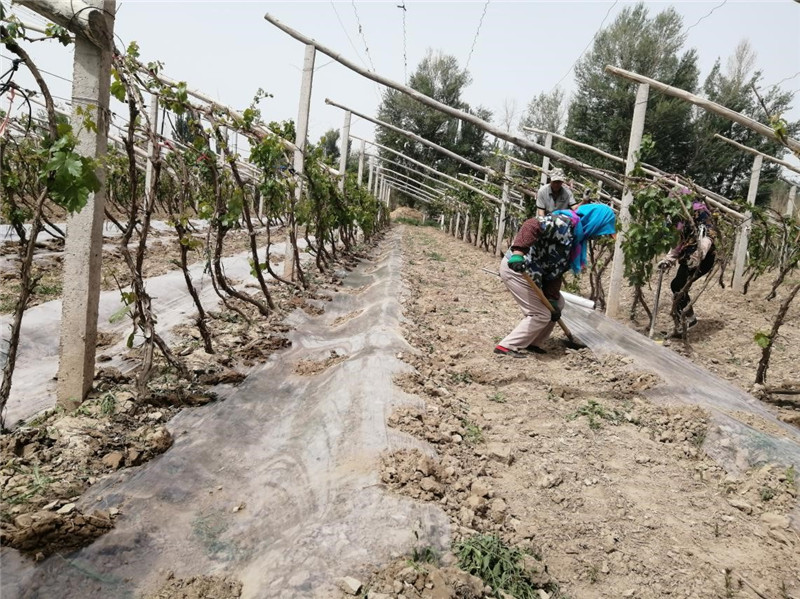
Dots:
{"x": 536, "y": 349}
{"x": 504, "y": 351}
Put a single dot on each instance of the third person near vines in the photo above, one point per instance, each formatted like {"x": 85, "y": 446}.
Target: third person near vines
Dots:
{"x": 695, "y": 255}
{"x": 544, "y": 249}
{"x": 555, "y": 195}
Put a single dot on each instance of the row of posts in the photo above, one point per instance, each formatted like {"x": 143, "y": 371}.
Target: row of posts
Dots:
{"x": 83, "y": 247}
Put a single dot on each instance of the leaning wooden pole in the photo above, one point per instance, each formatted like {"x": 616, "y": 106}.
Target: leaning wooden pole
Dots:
{"x": 460, "y": 114}
{"x": 708, "y": 105}
{"x": 430, "y": 168}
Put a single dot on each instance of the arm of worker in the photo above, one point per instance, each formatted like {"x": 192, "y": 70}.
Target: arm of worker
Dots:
{"x": 571, "y": 201}
{"x": 525, "y": 238}
{"x": 703, "y": 245}
{"x": 670, "y": 259}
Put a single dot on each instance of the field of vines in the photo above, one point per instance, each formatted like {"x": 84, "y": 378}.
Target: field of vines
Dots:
{"x": 294, "y": 390}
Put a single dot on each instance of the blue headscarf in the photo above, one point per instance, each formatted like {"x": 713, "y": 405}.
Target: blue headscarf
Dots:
{"x": 591, "y": 220}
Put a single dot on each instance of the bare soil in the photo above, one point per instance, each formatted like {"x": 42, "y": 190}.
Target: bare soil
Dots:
{"x": 562, "y": 457}
{"x": 198, "y": 587}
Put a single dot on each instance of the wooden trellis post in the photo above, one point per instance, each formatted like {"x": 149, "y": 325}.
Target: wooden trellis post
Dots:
{"x": 743, "y": 234}
{"x": 617, "y": 265}
{"x": 83, "y": 248}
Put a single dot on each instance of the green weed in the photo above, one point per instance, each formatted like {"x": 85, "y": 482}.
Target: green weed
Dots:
{"x": 435, "y": 256}
{"x": 596, "y": 412}
{"x": 108, "y": 405}
{"x": 473, "y": 434}
{"x": 498, "y": 397}
{"x": 767, "y": 494}
{"x": 498, "y": 565}
{"x": 39, "y": 484}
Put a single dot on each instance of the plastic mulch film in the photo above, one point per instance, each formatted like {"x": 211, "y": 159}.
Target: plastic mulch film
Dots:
{"x": 732, "y": 441}
{"x": 277, "y": 485}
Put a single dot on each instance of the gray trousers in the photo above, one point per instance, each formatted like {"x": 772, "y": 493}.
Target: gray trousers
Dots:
{"x": 536, "y": 326}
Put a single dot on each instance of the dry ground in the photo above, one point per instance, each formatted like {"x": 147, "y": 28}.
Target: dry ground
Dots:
{"x": 561, "y": 456}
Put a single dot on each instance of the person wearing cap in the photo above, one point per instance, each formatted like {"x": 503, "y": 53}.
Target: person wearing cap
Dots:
{"x": 555, "y": 195}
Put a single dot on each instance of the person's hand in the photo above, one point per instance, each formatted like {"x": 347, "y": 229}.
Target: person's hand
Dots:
{"x": 555, "y": 315}
{"x": 695, "y": 259}
{"x": 667, "y": 262}
{"x": 517, "y": 263}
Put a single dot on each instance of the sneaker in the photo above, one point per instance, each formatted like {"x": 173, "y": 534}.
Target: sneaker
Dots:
{"x": 536, "y": 349}
{"x": 690, "y": 322}
{"x": 504, "y": 351}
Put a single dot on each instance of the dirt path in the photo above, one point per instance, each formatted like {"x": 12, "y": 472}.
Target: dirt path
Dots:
{"x": 562, "y": 456}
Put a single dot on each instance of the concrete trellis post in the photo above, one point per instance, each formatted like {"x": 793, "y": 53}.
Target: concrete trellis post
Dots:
{"x": 344, "y": 140}
{"x": 84, "y": 243}
{"x": 548, "y": 143}
{"x": 790, "y": 205}
{"x": 153, "y": 150}
{"x": 501, "y": 223}
{"x": 478, "y": 232}
{"x": 458, "y": 224}
{"x": 743, "y": 234}
{"x": 302, "y": 133}
{"x": 466, "y": 227}
{"x": 441, "y": 222}
{"x": 637, "y": 129}
{"x": 361, "y": 163}
{"x": 371, "y": 173}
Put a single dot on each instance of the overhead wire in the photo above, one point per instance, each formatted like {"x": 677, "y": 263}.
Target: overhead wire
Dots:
{"x": 591, "y": 41}
{"x": 361, "y": 32}
{"x": 352, "y": 45}
{"x": 405, "y": 49}
{"x": 349, "y": 39}
{"x": 704, "y": 17}
{"x": 477, "y": 33}
{"x": 785, "y": 79}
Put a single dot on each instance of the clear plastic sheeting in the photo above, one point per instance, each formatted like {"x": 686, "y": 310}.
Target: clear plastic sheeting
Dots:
{"x": 277, "y": 485}
{"x": 731, "y": 441}
{"x": 34, "y": 384}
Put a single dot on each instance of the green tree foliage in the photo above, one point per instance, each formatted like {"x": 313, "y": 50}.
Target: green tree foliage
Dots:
{"x": 329, "y": 146}
{"x": 720, "y": 166}
{"x": 602, "y": 108}
{"x": 547, "y": 111}
{"x": 439, "y": 77}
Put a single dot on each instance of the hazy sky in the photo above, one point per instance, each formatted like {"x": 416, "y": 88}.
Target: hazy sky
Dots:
{"x": 228, "y": 50}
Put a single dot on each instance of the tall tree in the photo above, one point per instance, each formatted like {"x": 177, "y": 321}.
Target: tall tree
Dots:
{"x": 330, "y": 146}
{"x": 720, "y": 166}
{"x": 547, "y": 111}
{"x": 439, "y": 77}
{"x": 602, "y": 107}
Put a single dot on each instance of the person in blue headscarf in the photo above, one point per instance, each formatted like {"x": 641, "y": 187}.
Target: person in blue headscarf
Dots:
{"x": 545, "y": 248}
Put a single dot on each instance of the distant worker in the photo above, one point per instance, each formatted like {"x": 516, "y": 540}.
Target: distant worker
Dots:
{"x": 545, "y": 248}
{"x": 695, "y": 254}
{"x": 555, "y": 195}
